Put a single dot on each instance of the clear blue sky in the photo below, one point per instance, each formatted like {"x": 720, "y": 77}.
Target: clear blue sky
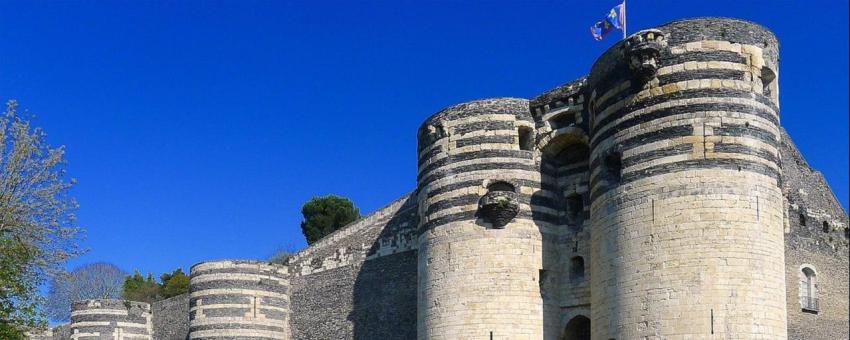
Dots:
{"x": 197, "y": 129}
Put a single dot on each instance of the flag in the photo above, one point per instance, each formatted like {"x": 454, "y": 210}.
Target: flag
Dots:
{"x": 616, "y": 19}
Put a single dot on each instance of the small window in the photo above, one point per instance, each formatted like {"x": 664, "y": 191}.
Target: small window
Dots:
{"x": 501, "y": 186}
{"x": 808, "y": 290}
{"x": 802, "y": 219}
{"x": 614, "y": 166}
{"x": 526, "y": 138}
{"x": 767, "y": 78}
{"x": 825, "y": 226}
{"x": 575, "y": 209}
{"x": 577, "y": 269}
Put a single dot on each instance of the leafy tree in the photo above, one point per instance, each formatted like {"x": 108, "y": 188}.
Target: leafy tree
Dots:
{"x": 22, "y": 313}
{"x": 324, "y": 215}
{"x": 146, "y": 289}
{"x": 98, "y": 280}
{"x": 139, "y": 288}
{"x": 174, "y": 284}
{"x": 38, "y": 230}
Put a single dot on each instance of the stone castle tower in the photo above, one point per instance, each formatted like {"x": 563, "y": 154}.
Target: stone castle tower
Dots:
{"x": 655, "y": 198}
{"x": 669, "y": 146}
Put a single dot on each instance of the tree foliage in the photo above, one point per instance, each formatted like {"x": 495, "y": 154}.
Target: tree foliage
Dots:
{"x": 146, "y": 289}
{"x": 139, "y": 288}
{"x": 98, "y": 280}
{"x": 38, "y": 230}
{"x": 174, "y": 284}
{"x": 326, "y": 214}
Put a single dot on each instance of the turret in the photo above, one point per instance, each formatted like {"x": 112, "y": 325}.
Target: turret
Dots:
{"x": 239, "y": 300}
{"x": 108, "y": 319}
{"x": 480, "y": 251}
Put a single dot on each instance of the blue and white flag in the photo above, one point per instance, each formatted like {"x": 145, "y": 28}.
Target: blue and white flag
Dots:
{"x": 616, "y": 19}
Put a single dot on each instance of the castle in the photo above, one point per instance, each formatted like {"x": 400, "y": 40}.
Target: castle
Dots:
{"x": 656, "y": 198}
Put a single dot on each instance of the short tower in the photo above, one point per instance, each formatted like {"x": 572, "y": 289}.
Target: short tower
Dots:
{"x": 108, "y": 319}
{"x": 239, "y": 300}
{"x": 480, "y": 252}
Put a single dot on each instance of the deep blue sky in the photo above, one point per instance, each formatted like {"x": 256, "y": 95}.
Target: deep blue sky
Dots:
{"x": 197, "y": 129}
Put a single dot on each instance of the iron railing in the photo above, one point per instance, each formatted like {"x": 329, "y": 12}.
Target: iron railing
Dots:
{"x": 809, "y": 303}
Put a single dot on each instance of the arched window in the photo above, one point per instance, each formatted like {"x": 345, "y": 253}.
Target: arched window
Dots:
{"x": 577, "y": 329}
{"x": 802, "y": 219}
{"x": 808, "y": 289}
{"x": 577, "y": 269}
{"x": 825, "y": 226}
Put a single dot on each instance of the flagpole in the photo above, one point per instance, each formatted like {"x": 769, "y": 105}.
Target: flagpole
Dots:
{"x": 624, "y": 19}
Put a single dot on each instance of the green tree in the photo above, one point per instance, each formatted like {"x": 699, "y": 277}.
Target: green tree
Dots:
{"x": 326, "y": 214}
{"x": 18, "y": 305}
{"x": 139, "y": 288}
{"x": 174, "y": 284}
{"x": 38, "y": 231}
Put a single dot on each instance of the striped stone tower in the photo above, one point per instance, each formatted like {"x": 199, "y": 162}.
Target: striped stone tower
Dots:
{"x": 110, "y": 320}
{"x": 239, "y": 300}
{"x": 479, "y": 249}
{"x": 686, "y": 207}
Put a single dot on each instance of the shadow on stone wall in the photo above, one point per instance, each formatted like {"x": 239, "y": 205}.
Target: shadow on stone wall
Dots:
{"x": 384, "y": 297}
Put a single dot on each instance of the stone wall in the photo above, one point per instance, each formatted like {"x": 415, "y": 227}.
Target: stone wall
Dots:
{"x": 171, "y": 318}
{"x": 562, "y": 124}
{"x": 816, "y": 236}
{"x": 360, "y": 281}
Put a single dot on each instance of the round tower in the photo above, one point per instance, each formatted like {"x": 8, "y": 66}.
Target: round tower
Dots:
{"x": 110, "y": 319}
{"x": 480, "y": 252}
{"x": 686, "y": 207}
{"x": 239, "y": 300}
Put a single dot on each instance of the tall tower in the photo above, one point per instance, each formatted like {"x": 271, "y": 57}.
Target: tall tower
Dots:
{"x": 480, "y": 252}
{"x": 686, "y": 207}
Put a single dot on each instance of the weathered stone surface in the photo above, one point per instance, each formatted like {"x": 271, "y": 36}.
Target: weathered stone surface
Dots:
{"x": 811, "y": 203}
{"x": 171, "y": 318}
{"x": 239, "y": 300}
{"x": 110, "y": 320}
